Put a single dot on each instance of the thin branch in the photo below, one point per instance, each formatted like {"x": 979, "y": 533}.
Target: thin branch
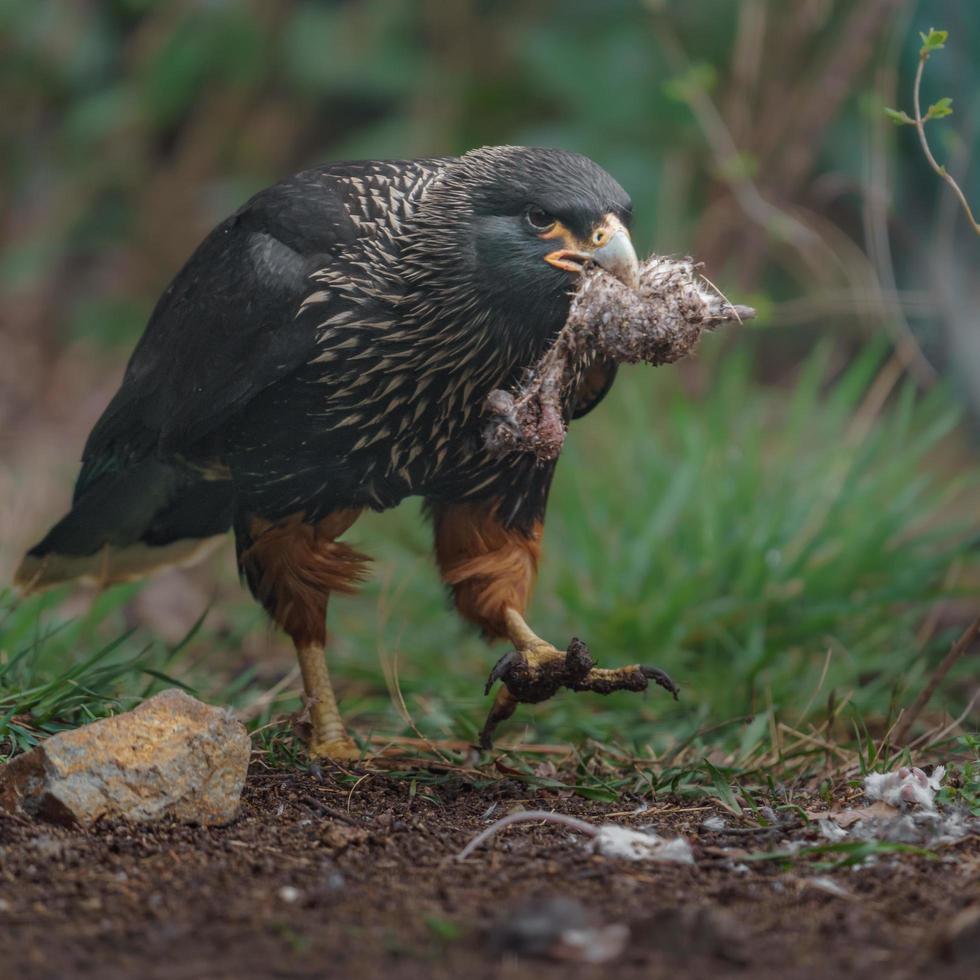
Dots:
{"x": 728, "y": 158}
{"x": 875, "y": 177}
{"x": 807, "y": 115}
{"x": 845, "y": 302}
{"x": 933, "y": 739}
{"x": 920, "y": 125}
{"x": 959, "y": 648}
{"x": 545, "y": 816}
{"x": 253, "y": 710}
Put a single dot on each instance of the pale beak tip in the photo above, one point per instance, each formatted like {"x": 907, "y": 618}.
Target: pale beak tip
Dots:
{"x": 618, "y": 257}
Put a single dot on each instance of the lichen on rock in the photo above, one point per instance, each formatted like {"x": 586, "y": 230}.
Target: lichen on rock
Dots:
{"x": 171, "y": 756}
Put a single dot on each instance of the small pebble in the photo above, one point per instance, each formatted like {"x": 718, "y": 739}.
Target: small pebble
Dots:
{"x": 828, "y": 885}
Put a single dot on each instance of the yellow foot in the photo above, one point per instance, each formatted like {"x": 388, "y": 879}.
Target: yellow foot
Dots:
{"x": 535, "y": 670}
{"x": 341, "y": 749}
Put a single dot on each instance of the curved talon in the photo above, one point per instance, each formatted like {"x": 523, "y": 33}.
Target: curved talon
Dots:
{"x": 500, "y": 669}
{"x": 534, "y": 673}
{"x": 504, "y": 705}
{"x": 535, "y": 670}
{"x": 662, "y": 678}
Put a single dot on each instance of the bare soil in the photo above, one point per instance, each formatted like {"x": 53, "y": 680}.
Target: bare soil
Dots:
{"x": 319, "y": 878}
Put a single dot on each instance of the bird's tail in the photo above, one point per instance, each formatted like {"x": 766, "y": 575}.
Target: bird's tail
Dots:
{"x": 127, "y": 522}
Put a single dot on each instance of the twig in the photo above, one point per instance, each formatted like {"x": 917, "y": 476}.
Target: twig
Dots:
{"x": 729, "y": 160}
{"x": 256, "y": 708}
{"x": 959, "y": 648}
{"x": 875, "y": 214}
{"x": 809, "y": 235}
{"x": 460, "y": 745}
{"x": 522, "y": 817}
{"x": 933, "y": 41}
{"x": 920, "y": 126}
{"x": 746, "y": 66}
{"x": 328, "y": 811}
{"x": 842, "y": 302}
{"x": 813, "y": 106}
{"x": 353, "y": 788}
{"x": 935, "y": 738}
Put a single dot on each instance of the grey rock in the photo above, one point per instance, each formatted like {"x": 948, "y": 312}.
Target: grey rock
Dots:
{"x": 171, "y": 756}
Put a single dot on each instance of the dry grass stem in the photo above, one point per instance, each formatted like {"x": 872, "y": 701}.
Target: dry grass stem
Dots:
{"x": 959, "y": 648}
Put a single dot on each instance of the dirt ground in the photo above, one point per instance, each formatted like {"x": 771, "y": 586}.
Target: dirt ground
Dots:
{"x": 319, "y": 878}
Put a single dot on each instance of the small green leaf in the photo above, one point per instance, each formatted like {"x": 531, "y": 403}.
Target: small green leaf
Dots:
{"x": 741, "y": 166}
{"x": 944, "y": 107}
{"x": 932, "y": 41}
{"x": 443, "y": 929}
{"x": 698, "y": 79}
{"x": 899, "y": 117}
{"x": 723, "y": 789}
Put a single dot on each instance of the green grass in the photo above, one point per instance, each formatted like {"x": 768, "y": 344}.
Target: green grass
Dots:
{"x": 57, "y": 673}
{"x": 776, "y": 552}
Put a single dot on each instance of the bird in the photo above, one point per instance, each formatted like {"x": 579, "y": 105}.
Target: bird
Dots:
{"x": 327, "y": 350}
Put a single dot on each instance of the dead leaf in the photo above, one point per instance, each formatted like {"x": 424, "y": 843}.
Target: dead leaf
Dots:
{"x": 546, "y": 770}
{"x": 879, "y": 810}
{"x": 339, "y": 836}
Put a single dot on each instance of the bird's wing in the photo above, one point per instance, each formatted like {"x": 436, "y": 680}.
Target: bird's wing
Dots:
{"x": 231, "y": 323}
{"x": 594, "y": 386}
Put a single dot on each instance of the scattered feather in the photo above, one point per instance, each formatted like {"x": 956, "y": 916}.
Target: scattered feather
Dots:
{"x": 828, "y": 885}
{"x": 903, "y": 811}
{"x": 609, "y": 840}
{"x": 714, "y": 824}
{"x": 905, "y": 785}
{"x": 633, "y": 845}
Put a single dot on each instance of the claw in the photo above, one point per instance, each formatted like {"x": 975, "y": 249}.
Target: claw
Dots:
{"x": 535, "y": 670}
{"x": 504, "y": 706}
{"x": 535, "y": 673}
{"x": 662, "y": 678}
{"x": 500, "y": 669}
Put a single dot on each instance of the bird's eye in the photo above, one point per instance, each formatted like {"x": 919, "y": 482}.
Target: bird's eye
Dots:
{"x": 538, "y": 218}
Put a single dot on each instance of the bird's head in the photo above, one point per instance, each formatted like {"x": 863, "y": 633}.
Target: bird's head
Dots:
{"x": 505, "y": 232}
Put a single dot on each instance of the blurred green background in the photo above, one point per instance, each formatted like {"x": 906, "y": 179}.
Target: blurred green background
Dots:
{"x": 801, "y": 495}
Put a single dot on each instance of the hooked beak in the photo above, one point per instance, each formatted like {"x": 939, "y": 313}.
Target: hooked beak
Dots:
{"x": 609, "y": 247}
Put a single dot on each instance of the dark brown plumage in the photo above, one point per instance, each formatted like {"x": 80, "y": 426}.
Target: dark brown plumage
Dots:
{"x": 329, "y": 348}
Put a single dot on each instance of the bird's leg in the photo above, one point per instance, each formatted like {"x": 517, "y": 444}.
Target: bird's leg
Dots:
{"x": 292, "y": 567}
{"x": 491, "y": 568}
{"x": 534, "y": 671}
{"x": 328, "y": 738}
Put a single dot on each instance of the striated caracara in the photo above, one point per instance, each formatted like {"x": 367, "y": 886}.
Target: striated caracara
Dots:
{"x": 328, "y": 348}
